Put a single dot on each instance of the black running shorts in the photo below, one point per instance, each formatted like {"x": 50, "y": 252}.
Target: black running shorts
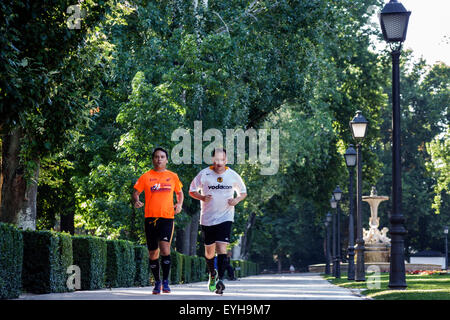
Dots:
{"x": 158, "y": 229}
{"x": 217, "y": 233}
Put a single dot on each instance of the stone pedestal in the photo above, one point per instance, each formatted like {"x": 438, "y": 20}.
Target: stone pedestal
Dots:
{"x": 377, "y": 253}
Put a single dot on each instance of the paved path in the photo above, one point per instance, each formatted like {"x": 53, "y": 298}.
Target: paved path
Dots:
{"x": 297, "y": 286}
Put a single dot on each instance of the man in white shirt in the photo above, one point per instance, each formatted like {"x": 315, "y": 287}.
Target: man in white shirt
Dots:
{"x": 217, "y": 184}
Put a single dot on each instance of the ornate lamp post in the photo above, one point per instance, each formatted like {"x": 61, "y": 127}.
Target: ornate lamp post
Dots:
{"x": 337, "y": 195}
{"x": 394, "y": 24}
{"x": 333, "y": 204}
{"x": 359, "y": 129}
{"x": 350, "y": 161}
{"x": 327, "y": 249}
{"x": 446, "y": 247}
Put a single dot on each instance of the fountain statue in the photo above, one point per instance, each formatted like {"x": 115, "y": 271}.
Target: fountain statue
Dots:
{"x": 377, "y": 244}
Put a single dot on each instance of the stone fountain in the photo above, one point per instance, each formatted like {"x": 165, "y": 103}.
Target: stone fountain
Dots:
{"x": 377, "y": 244}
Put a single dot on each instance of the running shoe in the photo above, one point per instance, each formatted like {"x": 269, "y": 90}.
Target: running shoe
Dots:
{"x": 220, "y": 287}
{"x": 157, "y": 288}
{"x": 165, "y": 286}
{"x": 212, "y": 281}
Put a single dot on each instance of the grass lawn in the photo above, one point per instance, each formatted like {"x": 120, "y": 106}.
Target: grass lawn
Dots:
{"x": 420, "y": 286}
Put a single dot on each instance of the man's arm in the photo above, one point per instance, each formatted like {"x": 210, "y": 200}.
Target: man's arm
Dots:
{"x": 179, "y": 204}
{"x": 198, "y": 196}
{"x": 137, "y": 202}
{"x": 235, "y": 201}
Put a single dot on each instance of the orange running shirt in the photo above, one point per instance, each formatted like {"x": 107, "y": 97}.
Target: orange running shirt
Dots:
{"x": 159, "y": 188}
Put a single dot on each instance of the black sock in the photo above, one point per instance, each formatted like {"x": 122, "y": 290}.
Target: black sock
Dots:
{"x": 210, "y": 264}
{"x": 221, "y": 264}
{"x": 165, "y": 265}
{"x": 154, "y": 266}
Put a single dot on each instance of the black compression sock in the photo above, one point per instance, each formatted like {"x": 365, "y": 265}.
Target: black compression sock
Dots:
{"x": 154, "y": 266}
{"x": 221, "y": 264}
{"x": 210, "y": 264}
{"x": 165, "y": 265}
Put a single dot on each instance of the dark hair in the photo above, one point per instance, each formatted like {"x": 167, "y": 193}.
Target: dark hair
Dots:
{"x": 219, "y": 149}
{"x": 160, "y": 149}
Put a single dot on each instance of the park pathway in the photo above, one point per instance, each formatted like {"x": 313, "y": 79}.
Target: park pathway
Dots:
{"x": 296, "y": 286}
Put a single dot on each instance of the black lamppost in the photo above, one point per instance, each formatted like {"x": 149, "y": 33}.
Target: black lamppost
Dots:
{"x": 446, "y": 247}
{"x": 337, "y": 195}
{"x": 394, "y": 24}
{"x": 359, "y": 129}
{"x": 327, "y": 249}
{"x": 350, "y": 161}
{"x": 333, "y": 204}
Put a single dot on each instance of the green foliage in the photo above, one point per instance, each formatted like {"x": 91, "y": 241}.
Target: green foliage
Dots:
{"x": 120, "y": 264}
{"x": 89, "y": 253}
{"x": 176, "y": 267}
{"x": 46, "y": 256}
{"x": 142, "y": 278}
{"x": 186, "y": 276}
{"x": 11, "y": 259}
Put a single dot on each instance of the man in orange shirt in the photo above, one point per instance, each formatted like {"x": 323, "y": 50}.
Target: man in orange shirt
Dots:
{"x": 159, "y": 184}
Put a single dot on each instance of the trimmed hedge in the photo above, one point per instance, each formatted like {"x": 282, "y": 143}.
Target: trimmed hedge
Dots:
{"x": 11, "y": 258}
{"x": 46, "y": 256}
{"x": 120, "y": 264}
{"x": 142, "y": 277}
{"x": 37, "y": 262}
{"x": 187, "y": 269}
{"x": 89, "y": 253}
{"x": 176, "y": 268}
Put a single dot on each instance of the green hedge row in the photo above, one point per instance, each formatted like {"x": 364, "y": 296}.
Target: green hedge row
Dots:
{"x": 38, "y": 262}
{"x": 244, "y": 268}
{"x": 120, "y": 264}
{"x": 11, "y": 255}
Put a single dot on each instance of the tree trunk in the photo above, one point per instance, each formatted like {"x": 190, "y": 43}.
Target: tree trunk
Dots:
{"x": 27, "y": 214}
{"x": 186, "y": 239}
{"x": 67, "y": 222}
{"x": 245, "y": 244}
{"x": 279, "y": 263}
{"x": 194, "y": 233}
{"x": 18, "y": 199}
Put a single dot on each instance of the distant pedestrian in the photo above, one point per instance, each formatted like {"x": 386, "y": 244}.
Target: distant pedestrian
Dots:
{"x": 291, "y": 269}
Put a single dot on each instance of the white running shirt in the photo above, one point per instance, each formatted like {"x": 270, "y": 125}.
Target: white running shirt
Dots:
{"x": 221, "y": 187}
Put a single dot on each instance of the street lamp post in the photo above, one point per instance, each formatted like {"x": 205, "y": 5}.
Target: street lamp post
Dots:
{"x": 337, "y": 194}
{"x": 350, "y": 161}
{"x": 394, "y": 24}
{"x": 359, "y": 129}
{"x": 327, "y": 251}
{"x": 333, "y": 204}
{"x": 446, "y": 247}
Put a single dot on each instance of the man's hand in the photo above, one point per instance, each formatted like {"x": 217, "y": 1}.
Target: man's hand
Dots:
{"x": 138, "y": 204}
{"x": 234, "y": 201}
{"x": 177, "y": 207}
{"x": 207, "y": 198}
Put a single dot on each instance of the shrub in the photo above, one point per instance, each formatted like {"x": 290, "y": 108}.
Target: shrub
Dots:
{"x": 176, "y": 268}
{"x": 120, "y": 264}
{"x": 187, "y": 269}
{"x": 11, "y": 258}
{"x": 46, "y": 256}
{"x": 142, "y": 277}
{"x": 89, "y": 253}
